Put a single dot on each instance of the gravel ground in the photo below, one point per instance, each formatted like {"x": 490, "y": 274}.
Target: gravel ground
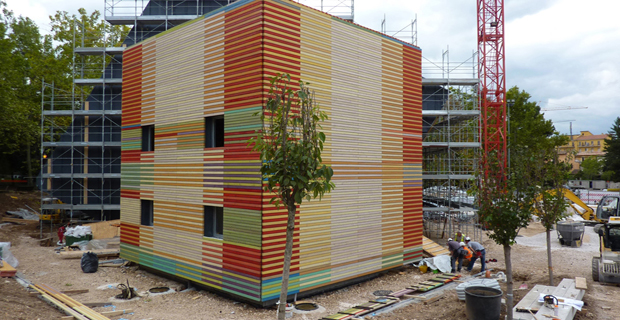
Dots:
{"x": 42, "y": 265}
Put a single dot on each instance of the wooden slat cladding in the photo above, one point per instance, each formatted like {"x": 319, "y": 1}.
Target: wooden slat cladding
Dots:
{"x": 219, "y": 65}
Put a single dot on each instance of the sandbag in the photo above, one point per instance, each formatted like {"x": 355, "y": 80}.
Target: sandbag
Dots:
{"x": 90, "y": 262}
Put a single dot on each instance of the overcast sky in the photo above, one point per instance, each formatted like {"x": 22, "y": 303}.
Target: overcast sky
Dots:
{"x": 565, "y": 53}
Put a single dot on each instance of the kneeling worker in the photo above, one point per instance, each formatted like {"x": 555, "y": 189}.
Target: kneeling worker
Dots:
{"x": 466, "y": 255}
{"x": 478, "y": 252}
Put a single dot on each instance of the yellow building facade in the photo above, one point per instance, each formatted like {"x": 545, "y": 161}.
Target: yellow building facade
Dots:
{"x": 582, "y": 146}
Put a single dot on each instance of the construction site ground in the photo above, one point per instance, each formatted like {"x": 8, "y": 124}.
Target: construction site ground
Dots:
{"x": 42, "y": 265}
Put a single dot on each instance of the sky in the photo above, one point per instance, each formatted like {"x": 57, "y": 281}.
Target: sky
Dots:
{"x": 564, "y": 53}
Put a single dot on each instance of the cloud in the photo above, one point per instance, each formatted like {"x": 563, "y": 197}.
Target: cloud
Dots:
{"x": 559, "y": 51}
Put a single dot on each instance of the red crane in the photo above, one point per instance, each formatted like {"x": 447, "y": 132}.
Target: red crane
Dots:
{"x": 492, "y": 90}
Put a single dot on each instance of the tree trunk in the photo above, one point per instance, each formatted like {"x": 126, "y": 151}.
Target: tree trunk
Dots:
{"x": 549, "y": 257}
{"x": 509, "y": 297}
{"x": 288, "y": 253}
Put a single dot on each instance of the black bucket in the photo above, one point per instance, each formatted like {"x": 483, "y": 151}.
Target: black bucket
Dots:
{"x": 483, "y": 303}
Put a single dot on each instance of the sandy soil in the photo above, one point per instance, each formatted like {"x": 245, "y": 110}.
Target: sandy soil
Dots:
{"x": 42, "y": 265}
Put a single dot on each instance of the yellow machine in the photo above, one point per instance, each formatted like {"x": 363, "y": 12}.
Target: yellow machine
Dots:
{"x": 53, "y": 215}
{"x": 606, "y": 267}
{"x": 587, "y": 213}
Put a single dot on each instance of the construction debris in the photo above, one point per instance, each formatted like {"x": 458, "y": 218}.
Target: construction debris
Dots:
{"x": 531, "y": 308}
{"x": 100, "y": 253}
{"x": 127, "y": 292}
{"x": 24, "y": 215}
{"x": 394, "y": 297}
{"x": 6, "y": 271}
{"x": 68, "y": 305}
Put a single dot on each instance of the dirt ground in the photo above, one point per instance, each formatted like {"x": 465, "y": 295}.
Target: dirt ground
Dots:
{"x": 42, "y": 265}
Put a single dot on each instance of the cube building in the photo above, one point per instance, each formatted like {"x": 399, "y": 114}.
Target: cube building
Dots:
{"x": 192, "y": 203}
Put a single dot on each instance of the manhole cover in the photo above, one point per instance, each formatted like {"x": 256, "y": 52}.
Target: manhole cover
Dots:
{"x": 306, "y": 306}
{"x": 159, "y": 289}
{"x": 380, "y": 293}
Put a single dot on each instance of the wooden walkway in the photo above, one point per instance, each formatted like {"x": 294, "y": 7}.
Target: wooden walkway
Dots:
{"x": 433, "y": 249}
{"x": 529, "y": 303}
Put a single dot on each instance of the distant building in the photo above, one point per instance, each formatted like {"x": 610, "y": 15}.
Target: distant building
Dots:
{"x": 582, "y": 146}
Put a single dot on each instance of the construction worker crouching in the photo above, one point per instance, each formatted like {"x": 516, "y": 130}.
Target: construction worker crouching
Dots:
{"x": 479, "y": 252}
{"x": 458, "y": 251}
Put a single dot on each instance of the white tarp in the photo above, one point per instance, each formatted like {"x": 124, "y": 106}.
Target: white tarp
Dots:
{"x": 7, "y": 256}
{"x": 441, "y": 263}
{"x": 78, "y": 232}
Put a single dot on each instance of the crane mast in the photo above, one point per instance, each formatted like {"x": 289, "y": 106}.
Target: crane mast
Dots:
{"x": 492, "y": 90}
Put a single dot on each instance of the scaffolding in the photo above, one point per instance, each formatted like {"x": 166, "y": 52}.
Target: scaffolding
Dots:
{"x": 80, "y": 140}
{"x": 80, "y": 131}
{"x": 408, "y": 33}
{"x": 81, "y": 127}
{"x": 343, "y": 9}
{"x": 451, "y": 146}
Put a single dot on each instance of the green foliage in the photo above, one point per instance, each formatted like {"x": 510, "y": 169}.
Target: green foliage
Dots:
{"x": 534, "y": 170}
{"x": 290, "y": 144}
{"x": 23, "y": 52}
{"x": 591, "y": 168}
{"x": 612, "y": 152}
{"x": 534, "y": 173}
{"x": 608, "y": 175}
{"x": 29, "y": 59}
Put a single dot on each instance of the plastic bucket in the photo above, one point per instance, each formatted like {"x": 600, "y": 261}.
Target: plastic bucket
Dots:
{"x": 483, "y": 303}
{"x": 423, "y": 268}
{"x": 288, "y": 311}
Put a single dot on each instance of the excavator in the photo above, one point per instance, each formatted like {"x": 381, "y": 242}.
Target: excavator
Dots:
{"x": 606, "y": 267}
{"x": 586, "y": 213}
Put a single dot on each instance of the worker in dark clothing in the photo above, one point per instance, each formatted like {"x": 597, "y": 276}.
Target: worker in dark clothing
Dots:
{"x": 478, "y": 252}
{"x": 455, "y": 253}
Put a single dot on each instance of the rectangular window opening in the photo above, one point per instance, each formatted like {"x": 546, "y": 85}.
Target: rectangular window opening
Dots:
{"x": 148, "y": 138}
{"x": 214, "y": 132}
{"x": 146, "y": 212}
{"x": 213, "y": 222}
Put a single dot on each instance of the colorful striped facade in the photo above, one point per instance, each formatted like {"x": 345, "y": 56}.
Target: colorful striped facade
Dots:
{"x": 220, "y": 65}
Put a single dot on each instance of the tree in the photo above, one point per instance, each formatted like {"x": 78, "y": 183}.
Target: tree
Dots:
{"x": 550, "y": 203}
{"x": 612, "y": 152}
{"x": 290, "y": 145}
{"x": 591, "y": 168}
{"x": 24, "y": 53}
{"x": 508, "y": 203}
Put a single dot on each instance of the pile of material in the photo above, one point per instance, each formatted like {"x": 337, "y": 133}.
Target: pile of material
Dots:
{"x": 67, "y": 304}
{"x": 392, "y": 298}
{"x": 566, "y": 294}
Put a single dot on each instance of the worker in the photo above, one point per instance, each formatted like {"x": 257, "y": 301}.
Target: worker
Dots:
{"x": 459, "y": 237}
{"x": 478, "y": 252}
{"x": 455, "y": 253}
{"x": 466, "y": 253}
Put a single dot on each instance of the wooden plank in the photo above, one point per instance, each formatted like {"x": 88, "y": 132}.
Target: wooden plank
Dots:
{"x": 75, "y": 291}
{"x": 73, "y": 307}
{"x": 580, "y": 283}
{"x": 96, "y": 304}
{"x": 6, "y": 271}
{"x": 116, "y": 313}
{"x": 529, "y": 303}
{"x": 99, "y": 253}
{"x": 433, "y": 249}
{"x": 19, "y": 220}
